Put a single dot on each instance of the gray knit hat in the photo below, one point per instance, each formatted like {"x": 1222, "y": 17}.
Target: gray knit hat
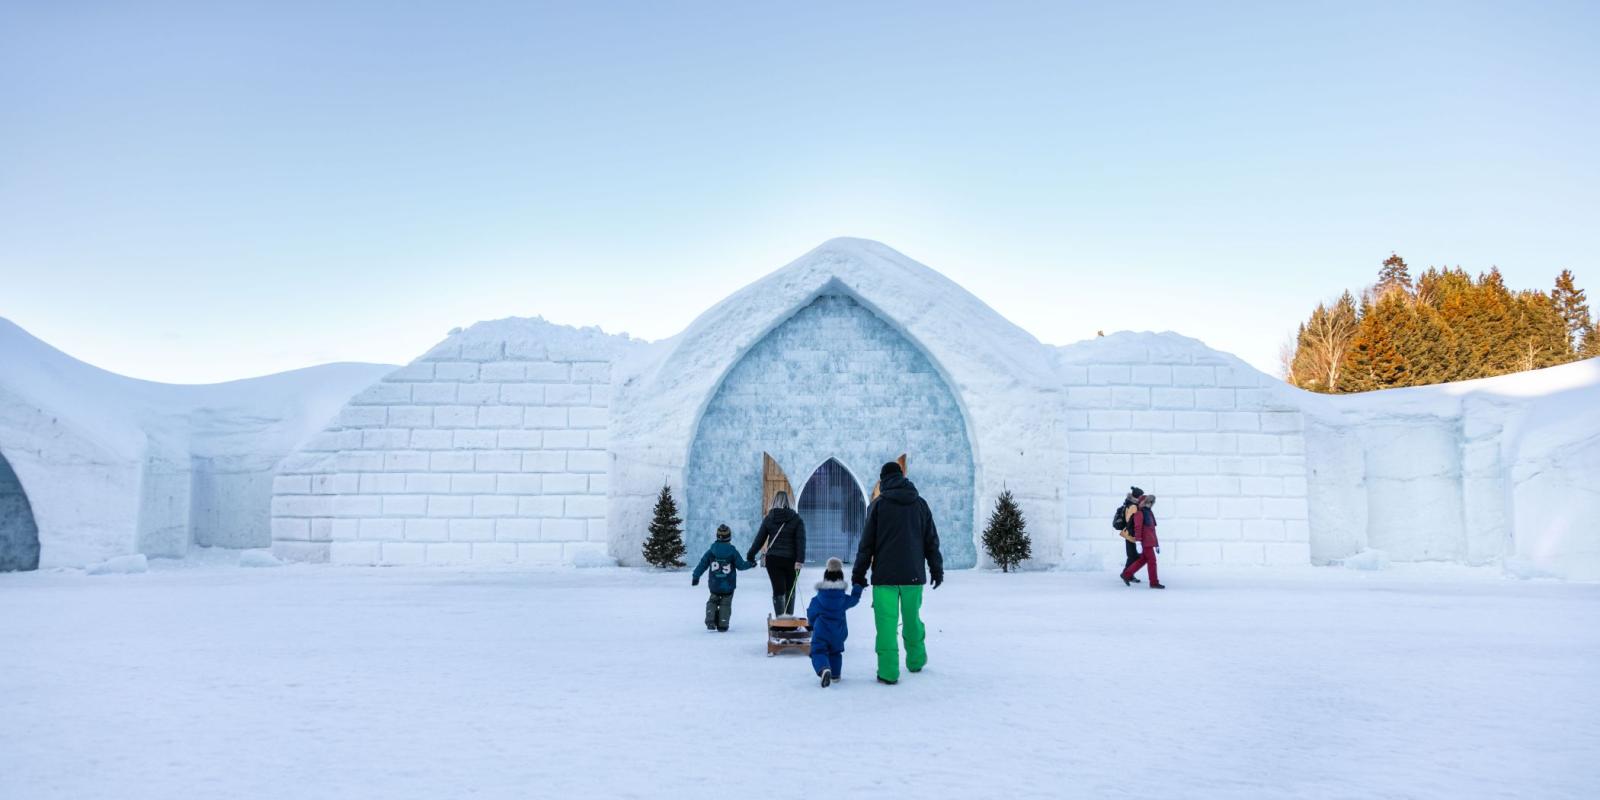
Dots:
{"x": 834, "y": 571}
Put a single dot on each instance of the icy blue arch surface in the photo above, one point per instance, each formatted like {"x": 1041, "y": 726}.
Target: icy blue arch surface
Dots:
{"x": 19, "y": 536}
{"x": 833, "y": 381}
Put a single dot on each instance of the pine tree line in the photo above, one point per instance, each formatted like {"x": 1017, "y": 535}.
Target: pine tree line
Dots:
{"x": 1445, "y": 325}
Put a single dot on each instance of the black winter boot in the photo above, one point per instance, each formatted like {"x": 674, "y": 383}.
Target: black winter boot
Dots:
{"x": 827, "y": 677}
{"x": 886, "y": 681}
{"x": 1126, "y": 581}
{"x": 777, "y": 605}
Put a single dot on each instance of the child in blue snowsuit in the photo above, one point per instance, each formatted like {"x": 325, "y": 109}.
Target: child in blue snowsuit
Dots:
{"x": 826, "y": 617}
{"x": 722, "y": 558}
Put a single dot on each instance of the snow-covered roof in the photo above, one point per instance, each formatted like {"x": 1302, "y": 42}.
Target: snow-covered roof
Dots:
{"x": 984, "y": 356}
{"x": 118, "y": 414}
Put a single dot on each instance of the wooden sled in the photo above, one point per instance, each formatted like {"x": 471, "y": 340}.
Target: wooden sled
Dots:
{"x": 788, "y": 635}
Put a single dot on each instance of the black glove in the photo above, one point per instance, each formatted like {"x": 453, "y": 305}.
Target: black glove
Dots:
{"x": 694, "y": 582}
{"x": 937, "y": 580}
{"x": 858, "y": 580}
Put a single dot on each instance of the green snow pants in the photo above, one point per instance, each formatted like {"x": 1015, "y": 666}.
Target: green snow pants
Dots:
{"x": 892, "y": 608}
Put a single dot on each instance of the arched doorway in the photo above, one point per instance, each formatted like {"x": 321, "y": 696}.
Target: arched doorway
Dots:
{"x": 834, "y": 508}
{"x": 19, "y": 535}
{"x": 834, "y": 381}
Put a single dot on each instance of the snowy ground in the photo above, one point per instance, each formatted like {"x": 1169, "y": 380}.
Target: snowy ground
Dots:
{"x": 320, "y": 682}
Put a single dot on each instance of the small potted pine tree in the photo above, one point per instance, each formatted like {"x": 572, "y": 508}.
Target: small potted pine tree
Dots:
{"x": 665, "y": 548}
{"x": 1006, "y": 537}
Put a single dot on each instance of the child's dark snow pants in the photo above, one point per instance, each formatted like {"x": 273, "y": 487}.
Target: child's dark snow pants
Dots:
{"x": 719, "y": 607}
{"x": 826, "y": 655}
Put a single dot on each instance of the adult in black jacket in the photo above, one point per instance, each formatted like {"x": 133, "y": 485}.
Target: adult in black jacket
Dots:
{"x": 898, "y": 540}
{"x": 782, "y": 537}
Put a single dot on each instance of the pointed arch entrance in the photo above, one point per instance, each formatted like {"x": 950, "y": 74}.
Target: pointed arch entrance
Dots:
{"x": 19, "y": 534}
{"x": 834, "y": 507}
{"x": 833, "y": 381}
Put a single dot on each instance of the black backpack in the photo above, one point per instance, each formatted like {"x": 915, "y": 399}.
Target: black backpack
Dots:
{"x": 1119, "y": 518}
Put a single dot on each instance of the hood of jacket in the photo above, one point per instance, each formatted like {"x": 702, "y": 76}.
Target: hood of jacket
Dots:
{"x": 898, "y": 489}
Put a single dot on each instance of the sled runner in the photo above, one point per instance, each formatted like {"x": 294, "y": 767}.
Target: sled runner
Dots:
{"x": 788, "y": 635}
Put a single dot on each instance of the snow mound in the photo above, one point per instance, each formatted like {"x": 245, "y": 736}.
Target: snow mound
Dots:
{"x": 1165, "y": 347}
{"x": 121, "y": 565}
{"x": 531, "y": 338}
{"x": 1526, "y": 569}
{"x": 258, "y": 558}
{"x": 592, "y": 558}
{"x": 1368, "y": 560}
{"x": 1084, "y": 562}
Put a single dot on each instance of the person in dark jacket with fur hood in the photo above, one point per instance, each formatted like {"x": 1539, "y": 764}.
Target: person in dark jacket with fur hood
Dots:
{"x": 781, "y": 543}
{"x": 829, "y": 628}
{"x": 898, "y": 538}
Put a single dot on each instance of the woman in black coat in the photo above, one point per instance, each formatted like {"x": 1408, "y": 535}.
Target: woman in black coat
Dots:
{"x": 781, "y": 542}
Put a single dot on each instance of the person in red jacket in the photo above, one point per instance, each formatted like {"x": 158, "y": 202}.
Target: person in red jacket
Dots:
{"x": 1142, "y": 522}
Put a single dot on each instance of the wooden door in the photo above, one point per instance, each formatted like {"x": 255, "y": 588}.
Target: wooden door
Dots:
{"x": 773, "y": 481}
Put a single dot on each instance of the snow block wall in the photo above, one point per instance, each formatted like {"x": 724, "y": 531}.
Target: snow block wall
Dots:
{"x": 1219, "y": 445}
{"x": 115, "y": 466}
{"x": 491, "y": 448}
{"x": 1554, "y": 480}
{"x": 19, "y": 534}
{"x": 833, "y": 381}
{"x": 1498, "y": 470}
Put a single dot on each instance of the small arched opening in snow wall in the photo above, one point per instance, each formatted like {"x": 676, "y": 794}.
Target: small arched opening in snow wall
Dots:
{"x": 19, "y": 534}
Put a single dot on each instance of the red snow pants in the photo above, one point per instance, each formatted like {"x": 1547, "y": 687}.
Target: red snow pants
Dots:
{"x": 1146, "y": 559}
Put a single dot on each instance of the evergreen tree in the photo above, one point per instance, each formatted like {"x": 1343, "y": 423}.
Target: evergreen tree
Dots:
{"x": 665, "y": 547}
{"x": 1006, "y": 537}
{"x": 1591, "y": 344}
{"x": 1542, "y": 333}
{"x": 1574, "y": 308}
{"x": 1493, "y": 347}
{"x": 1450, "y": 293}
{"x": 1375, "y": 360}
{"x": 1393, "y": 275}
{"x": 1321, "y": 344}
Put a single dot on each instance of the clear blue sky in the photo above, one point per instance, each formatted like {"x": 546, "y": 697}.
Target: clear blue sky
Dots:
{"x": 204, "y": 191}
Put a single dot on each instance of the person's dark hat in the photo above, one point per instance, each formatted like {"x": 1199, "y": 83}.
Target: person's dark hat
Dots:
{"x": 1135, "y": 491}
{"x": 891, "y": 468}
{"x": 724, "y": 532}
